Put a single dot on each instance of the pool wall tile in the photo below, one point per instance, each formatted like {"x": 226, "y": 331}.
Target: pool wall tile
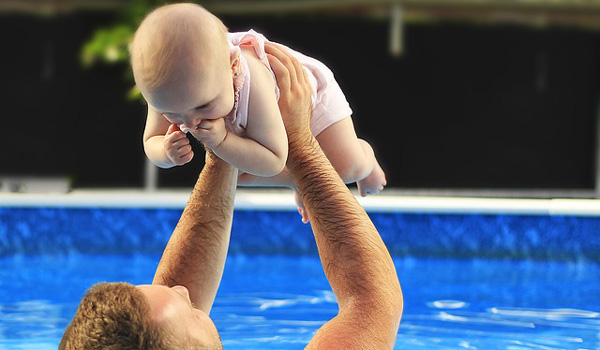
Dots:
{"x": 55, "y": 230}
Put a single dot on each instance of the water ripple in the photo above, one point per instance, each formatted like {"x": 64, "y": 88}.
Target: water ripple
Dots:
{"x": 544, "y": 313}
{"x": 448, "y": 304}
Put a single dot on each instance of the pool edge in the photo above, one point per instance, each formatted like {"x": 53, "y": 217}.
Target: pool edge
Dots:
{"x": 282, "y": 200}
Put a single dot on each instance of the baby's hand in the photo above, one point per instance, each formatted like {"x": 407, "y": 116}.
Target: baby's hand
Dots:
{"x": 211, "y": 132}
{"x": 177, "y": 146}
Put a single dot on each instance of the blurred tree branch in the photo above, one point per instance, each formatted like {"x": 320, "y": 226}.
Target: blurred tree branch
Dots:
{"x": 110, "y": 45}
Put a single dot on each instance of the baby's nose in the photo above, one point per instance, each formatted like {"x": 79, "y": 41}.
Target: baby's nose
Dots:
{"x": 188, "y": 123}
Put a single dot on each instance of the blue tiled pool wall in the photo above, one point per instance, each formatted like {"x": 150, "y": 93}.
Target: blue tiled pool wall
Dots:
{"x": 146, "y": 231}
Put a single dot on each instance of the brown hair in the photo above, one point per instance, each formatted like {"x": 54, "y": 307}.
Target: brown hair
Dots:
{"x": 113, "y": 316}
{"x": 173, "y": 34}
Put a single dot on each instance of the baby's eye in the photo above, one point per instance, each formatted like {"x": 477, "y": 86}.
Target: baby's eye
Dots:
{"x": 203, "y": 106}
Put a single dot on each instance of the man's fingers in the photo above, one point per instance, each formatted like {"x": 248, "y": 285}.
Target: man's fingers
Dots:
{"x": 285, "y": 62}
{"x": 285, "y": 59}
{"x": 280, "y": 53}
{"x": 300, "y": 73}
{"x": 282, "y": 74}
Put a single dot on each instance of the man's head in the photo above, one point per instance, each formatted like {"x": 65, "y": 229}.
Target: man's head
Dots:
{"x": 183, "y": 65}
{"x": 126, "y": 317}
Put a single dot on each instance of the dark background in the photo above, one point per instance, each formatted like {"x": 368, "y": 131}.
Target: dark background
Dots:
{"x": 465, "y": 106}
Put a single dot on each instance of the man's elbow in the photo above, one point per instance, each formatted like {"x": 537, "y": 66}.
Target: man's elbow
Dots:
{"x": 391, "y": 309}
{"x": 398, "y": 304}
{"x": 390, "y": 302}
{"x": 395, "y": 299}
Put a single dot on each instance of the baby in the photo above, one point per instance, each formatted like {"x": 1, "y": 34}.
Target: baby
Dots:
{"x": 218, "y": 86}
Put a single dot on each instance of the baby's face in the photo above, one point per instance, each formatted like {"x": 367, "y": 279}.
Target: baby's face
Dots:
{"x": 195, "y": 93}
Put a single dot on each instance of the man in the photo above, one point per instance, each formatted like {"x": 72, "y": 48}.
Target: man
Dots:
{"x": 172, "y": 313}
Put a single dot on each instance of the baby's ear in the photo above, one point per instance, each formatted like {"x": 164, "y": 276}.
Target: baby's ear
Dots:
{"x": 234, "y": 59}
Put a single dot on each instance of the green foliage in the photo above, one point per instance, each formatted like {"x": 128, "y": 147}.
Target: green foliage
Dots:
{"x": 107, "y": 45}
{"x": 110, "y": 45}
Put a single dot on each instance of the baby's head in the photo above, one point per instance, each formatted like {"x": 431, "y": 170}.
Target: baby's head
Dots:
{"x": 181, "y": 61}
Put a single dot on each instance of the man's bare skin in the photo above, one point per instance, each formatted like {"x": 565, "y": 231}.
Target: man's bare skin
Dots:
{"x": 356, "y": 262}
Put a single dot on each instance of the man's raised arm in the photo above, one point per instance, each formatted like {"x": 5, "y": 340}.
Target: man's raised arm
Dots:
{"x": 356, "y": 262}
{"x": 196, "y": 252}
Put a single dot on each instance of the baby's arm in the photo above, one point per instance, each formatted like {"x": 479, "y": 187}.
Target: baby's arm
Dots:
{"x": 263, "y": 152}
{"x": 165, "y": 145}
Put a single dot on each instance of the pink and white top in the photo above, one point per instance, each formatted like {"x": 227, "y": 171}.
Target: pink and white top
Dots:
{"x": 329, "y": 104}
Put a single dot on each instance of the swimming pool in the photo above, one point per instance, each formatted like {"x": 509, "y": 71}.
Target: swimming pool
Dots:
{"x": 477, "y": 277}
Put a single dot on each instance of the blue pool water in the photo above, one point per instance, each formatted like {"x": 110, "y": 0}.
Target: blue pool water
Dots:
{"x": 469, "y": 281}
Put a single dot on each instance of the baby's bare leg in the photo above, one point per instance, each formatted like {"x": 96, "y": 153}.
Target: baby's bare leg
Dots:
{"x": 375, "y": 181}
{"x": 352, "y": 157}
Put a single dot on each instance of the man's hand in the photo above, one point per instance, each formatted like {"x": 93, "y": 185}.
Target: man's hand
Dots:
{"x": 177, "y": 146}
{"x": 295, "y": 92}
{"x": 211, "y": 132}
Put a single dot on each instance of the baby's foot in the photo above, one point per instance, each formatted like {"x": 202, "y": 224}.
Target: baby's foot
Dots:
{"x": 301, "y": 208}
{"x": 373, "y": 183}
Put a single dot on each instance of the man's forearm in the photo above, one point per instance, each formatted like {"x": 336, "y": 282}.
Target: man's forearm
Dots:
{"x": 196, "y": 253}
{"x": 355, "y": 259}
